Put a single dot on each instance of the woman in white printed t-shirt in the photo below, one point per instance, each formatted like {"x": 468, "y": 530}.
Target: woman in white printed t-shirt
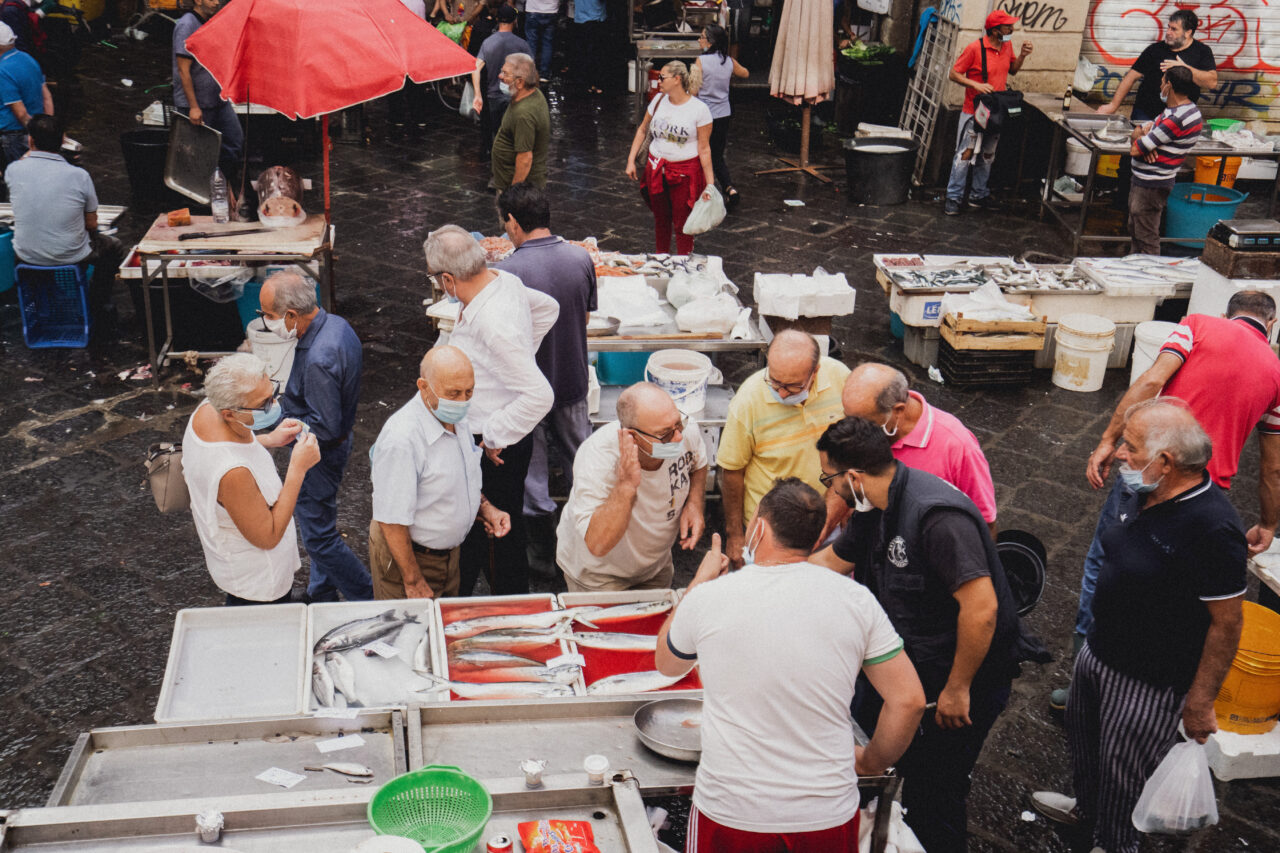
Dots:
{"x": 678, "y": 170}
{"x": 243, "y": 512}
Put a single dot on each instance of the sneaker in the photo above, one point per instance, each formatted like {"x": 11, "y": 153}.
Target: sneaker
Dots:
{"x": 1058, "y": 699}
{"x": 732, "y": 197}
{"x": 951, "y": 208}
{"x": 984, "y": 203}
{"x": 1058, "y": 808}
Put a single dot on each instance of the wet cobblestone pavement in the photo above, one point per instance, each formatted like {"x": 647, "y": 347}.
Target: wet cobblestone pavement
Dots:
{"x": 91, "y": 575}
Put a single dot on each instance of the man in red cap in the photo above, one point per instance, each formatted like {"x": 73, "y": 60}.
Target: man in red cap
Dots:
{"x": 968, "y": 72}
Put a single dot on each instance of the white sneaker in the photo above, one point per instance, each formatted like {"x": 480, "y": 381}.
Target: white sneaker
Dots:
{"x": 1097, "y": 850}
{"x": 1058, "y": 808}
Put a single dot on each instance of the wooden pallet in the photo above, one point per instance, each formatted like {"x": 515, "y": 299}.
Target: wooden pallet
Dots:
{"x": 1016, "y": 335}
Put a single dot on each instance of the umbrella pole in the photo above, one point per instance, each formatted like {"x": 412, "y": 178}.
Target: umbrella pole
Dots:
{"x": 324, "y": 136}
{"x": 801, "y": 165}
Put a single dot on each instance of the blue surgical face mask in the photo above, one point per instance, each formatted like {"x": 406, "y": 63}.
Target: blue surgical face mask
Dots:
{"x": 504, "y": 88}
{"x": 792, "y": 400}
{"x": 1133, "y": 479}
{"x": 749, "y": 550}
{"x": 264, "y": 419}
{"x": 449, "y": 411}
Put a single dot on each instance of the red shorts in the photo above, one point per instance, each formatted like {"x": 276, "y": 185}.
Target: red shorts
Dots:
{"x": 707, "y": 836}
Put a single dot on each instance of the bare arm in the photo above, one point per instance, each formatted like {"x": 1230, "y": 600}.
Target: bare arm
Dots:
{"x": 1261, "y": 534}
{"x": 1145, "y": 387}
{"x": 20, "y": 112}
{"x": 739, "y": 70}
{"x": 524, "y": 162}
{"x": 898, "y": 684}
{"x": 478, "y": 102}
{"x": 1226, "y": 618}
{"x": 641, "y": 132}
{"x": 47, "y": 98}
{"x": 975, "y": 626}
{"x": 184, "y": 77}
{"x": 1126, "y": 83}
{"x": 976, "y": 85}
{"x": 733, "y": 488}
{"x": 714, "y": 564}
{"x": 693, "y": 518}
{"x": 263, "y": 525}
{"x": 401, "y": 548}
{"x": 609, "y": 521}
{"x": 704, "y": 154}
{"x": 91, "y": 222}
{"x": 827, "y": 558}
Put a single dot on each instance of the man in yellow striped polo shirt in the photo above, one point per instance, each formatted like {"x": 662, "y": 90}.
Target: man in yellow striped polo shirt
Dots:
{"x": 772, "y": 430}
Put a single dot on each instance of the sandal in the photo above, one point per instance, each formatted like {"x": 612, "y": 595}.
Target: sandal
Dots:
{"x": 732, "y": 197}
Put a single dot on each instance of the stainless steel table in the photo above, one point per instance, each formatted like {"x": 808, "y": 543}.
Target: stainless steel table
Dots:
{"x": 713, "y": 414}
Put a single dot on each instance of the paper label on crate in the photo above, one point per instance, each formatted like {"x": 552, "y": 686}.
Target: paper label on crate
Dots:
{"x": 337, "y": 713}
{"x": 566, "y": 660}
{"x": 386, "y": 650}
{"x": 283, "y": 778}
{"x": 338, "y": 743}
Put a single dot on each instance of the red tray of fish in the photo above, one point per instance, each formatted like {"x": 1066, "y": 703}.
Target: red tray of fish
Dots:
{"x": 458, "y": 610}
{"x": 603, "y": 663}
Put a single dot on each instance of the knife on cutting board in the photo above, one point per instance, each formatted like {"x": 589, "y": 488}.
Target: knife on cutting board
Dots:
{"x": 197, "y": 235}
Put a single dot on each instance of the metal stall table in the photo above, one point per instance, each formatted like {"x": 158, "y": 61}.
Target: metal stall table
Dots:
{"x": 1080, "y": 127}
{"x": 308, "y": 246}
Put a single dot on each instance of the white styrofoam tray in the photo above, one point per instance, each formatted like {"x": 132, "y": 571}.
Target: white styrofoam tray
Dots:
{"x": 1236, "y": 756}
{"x": 445, "y": 604}
{"x": 380, "y": 682}
{"x": 235, "y": 663}
{"x": 1053, "y": 305}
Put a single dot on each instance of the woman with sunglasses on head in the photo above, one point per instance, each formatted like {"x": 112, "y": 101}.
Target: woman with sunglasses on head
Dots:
{"x": 678, "y": 168}
{"x": 717, "y": 70}
{"x": 242, "y": 510}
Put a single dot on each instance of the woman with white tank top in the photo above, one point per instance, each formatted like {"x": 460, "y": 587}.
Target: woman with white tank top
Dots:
{"x": 242, "y": 510}
{"x": 718, "y": 69}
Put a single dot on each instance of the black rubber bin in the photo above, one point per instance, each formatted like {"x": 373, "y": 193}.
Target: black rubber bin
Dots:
{"x": 145, "y": 150}
{"x": 879, "y": 168}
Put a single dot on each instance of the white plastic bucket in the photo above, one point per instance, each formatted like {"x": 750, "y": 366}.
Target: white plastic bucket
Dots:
{"x": 1077, "y": 158}
{"x": 684, "y": 374}
{"x": 1084, "y": 345}
{"x": 1148, "y": 337}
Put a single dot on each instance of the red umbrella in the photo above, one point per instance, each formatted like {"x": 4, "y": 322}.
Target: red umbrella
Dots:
{"x": 307, "y": 58}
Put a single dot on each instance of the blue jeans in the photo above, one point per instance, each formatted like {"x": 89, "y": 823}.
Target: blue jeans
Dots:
{"x": 566, "y": 427}
{"x": 334, "y": 567}
{"x": 1093, "y": 559}
{"x": 540, "y": 32}
{"x": 223, "y": 119}
{"x": 979, "y": 162}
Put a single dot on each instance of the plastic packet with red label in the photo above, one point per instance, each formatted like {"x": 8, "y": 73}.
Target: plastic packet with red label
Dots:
{"x": 557, "y": 836}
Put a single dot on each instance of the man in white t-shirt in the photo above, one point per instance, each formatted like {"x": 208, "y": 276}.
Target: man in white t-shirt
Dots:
{"x": 779, "y": 645}
{"x": 638, "y": 484}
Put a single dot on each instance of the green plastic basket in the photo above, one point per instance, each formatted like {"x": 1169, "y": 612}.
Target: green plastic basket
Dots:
{"x": 440, "y": 807}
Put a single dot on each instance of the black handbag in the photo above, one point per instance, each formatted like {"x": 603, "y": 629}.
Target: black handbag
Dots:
{"x": 992, "y": 111}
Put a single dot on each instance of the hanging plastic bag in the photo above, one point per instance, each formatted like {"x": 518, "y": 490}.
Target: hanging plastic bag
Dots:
{"x": 706, "y": 214}
{"x": 1178, "y": 798}
{"x": 1086, "y": 74}
{"x": 901, "y": 839}
{"x": 708, "y": 315}
{"x": 467, "y": 106}
{"x": 684, "y": 287}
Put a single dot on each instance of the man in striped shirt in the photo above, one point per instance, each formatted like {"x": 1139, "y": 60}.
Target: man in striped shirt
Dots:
{"x": 1158, "y": 150}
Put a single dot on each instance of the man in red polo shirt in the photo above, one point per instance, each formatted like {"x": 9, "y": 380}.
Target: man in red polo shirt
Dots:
{"x": 967, "y": 72}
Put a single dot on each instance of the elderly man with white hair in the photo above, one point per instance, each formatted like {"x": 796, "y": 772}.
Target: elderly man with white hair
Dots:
{"x": 323, "y": 389}
{"x": 242, "y": 511}
{"x": 499, "y": 327}
{"x": 520, "y": 147}
{"x": 425, "y": 468}
{"x": 638, "y": 485}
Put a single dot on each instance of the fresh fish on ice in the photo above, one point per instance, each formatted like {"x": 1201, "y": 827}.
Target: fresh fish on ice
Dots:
{"x": 512, "y": 639}
{"x": 343, "y": 674}
{"x": 622, "y": 612}
{"x": 503, "y": 689}
{"x": 616, "y": 642}
{"x": 631, "y": 682}
{"x": 420, "y": 656}
{"x": 321, "y": 683}
{"x": 487, "y": 659}
{"x": 547, "y": 619}
{"x": 562, "y": 674}
{"x": 346, "y": 768}
{"x": 362, "y": 631}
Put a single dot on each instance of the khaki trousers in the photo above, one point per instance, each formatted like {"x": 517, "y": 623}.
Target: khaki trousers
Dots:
{"x": 440, "y": 569}
{"x": 594, "y": 582}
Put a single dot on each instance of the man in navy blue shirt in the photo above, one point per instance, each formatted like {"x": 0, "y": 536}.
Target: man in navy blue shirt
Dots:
{"x": 566, "y": 273}
{"x": 323, "y": 389}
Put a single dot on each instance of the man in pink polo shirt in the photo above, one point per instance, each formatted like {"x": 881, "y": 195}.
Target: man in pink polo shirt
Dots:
{"x": 925, "y": 437}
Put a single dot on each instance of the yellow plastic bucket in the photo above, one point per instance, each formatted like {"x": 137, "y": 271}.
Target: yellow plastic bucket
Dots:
{"x": 1249, "y": 700}
{"x": 1109, "y": 165}
{"x": 1207, "y": 171}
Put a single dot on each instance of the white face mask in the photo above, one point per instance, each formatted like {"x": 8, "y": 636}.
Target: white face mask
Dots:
{"x": 504, "y": 88}
{"x": 860, "y": 504}
{"x": 749, "y": 550}
{"x": 277, "y": 326}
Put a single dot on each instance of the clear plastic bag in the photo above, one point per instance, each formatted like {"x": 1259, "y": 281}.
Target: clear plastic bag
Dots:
{"x": 1178, "y": 798}
{"x": 708, "y": 314}
{"x": 684, "y": 287}
{"x": 706, "y": 213}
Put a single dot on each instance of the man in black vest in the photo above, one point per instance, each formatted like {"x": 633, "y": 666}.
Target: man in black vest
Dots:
{"x": 923, "y": 549}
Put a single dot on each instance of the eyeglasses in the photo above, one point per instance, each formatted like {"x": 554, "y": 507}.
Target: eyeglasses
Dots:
{"x": 789, "y": 388}
{"x": 827, "y": 479}
{"x": 666, "y": 436}
{"x": 667, "y": 76}
{"x": 275, "y": 393}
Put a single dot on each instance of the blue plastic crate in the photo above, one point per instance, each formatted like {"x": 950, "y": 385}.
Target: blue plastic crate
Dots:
{"x": 54, "y": 302}
{"x": 7, "y": 260}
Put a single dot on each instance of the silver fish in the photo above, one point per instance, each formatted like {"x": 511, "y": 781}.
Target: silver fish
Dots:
{"x": 344, "y": 676}
{"x": 511, "y": 639}
{"x": 631, "y": 682}
{"x": 362, "y": 631}
{"x": 637, "y": 610}
{"x": 503, "y": 689}
{"x": 547, "y": 619}
{"x": 565, "y": 673}
{"x": 420, "y": 654}
{"x": 346, "y": 768}
{"x": 488, "y": 659}
{"x": 321, "y": 683}
{"x": 616, "y": 642}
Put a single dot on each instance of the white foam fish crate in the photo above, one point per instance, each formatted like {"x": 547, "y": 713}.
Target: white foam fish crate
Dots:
{"x": 229, "y": 663}
{"x": 1237, "y": 756}
{"x": 445, "y": 604}
{"x": 1052, "y": 305}
{"x": 380, "y": 682}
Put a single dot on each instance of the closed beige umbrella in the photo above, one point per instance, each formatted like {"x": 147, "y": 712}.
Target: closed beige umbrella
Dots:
{"x": 803, "y": 70}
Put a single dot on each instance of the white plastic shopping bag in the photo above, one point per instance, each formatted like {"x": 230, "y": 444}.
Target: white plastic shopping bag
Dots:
{"x": 706, "y": 213}
{"x": 1178, "y": 798}
{"x": 901, "y": 839}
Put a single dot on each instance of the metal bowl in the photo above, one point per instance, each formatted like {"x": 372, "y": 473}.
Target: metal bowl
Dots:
{"x": 672, "y": 727}
{"x": 599, "y": 325}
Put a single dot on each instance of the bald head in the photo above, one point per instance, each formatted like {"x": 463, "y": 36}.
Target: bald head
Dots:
{"x": 793, "y": 356}
{"x": 446, "y": 364}
{"x": 646, "y": 407}
{"x": 873, "y": 390}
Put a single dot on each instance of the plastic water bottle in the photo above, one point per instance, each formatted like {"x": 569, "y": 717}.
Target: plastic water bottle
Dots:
{"x": 218, "y": 201}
